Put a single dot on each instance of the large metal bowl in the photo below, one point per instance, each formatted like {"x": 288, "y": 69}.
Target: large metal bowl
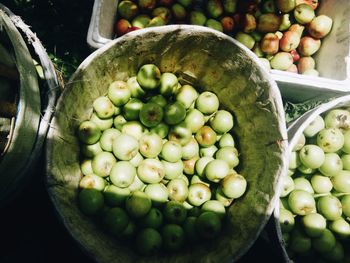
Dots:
{"x": 207, "y": 59}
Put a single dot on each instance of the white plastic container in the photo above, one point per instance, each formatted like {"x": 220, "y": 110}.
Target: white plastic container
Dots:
{"x": 332, "y": 60}
{"x": 102, "y": 22}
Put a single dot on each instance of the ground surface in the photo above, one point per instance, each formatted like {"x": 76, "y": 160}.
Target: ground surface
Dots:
{"x": 29, "y": 229}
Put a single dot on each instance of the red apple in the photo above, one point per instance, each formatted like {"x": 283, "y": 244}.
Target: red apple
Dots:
{"x": 309, "y": 46}
{"x": 295, "y": 55}
{"x": 270, "y": 44}
{"x": 305, "y": 63}
{"x": 122, "y": 26}
{"x": 228, "y": 24}
{"x": 297, "y": 28}
{"x": 312, "y": 3}
{"x": 289, "y": 41}
{"x": 320, "y": 26}
{"x": 132, "y": 28}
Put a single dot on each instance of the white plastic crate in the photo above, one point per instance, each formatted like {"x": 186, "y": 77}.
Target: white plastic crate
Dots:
{"x": 332, "y": 59}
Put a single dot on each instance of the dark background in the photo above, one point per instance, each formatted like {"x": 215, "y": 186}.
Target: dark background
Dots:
{"x": 29, "y": 229}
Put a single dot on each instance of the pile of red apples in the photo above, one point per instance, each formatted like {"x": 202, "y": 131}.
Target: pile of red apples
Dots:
{"x": 284, "y": 34}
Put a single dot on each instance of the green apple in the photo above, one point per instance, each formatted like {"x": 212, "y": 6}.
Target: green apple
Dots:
{"x": 301, "y": 202}
{"x": 149, "y": 76}
{"x": 301, "y": 183}
{"x": 136, "y": 160}
{"x": 208, "y": 225}
{"x": 172, "y": 170}
{"x": 314, "y": 224}
{"x": 90, "y": 201}
{"x": 189, "y": 165}
{"x": 85, "y": 167}
{"x": 162, "y": 129}
{"x": 102, "y": 124}
{"x": 187, "y": 95}
{"x": 137, "y": 184}
{"x": 194, "y": 120}
{"x": 222, "y": 121}
{"x": 299, "y": 242}
{"x": 88, "y": 132}
{"x": 150, "y": 145}
{"x": 115, "y": 220}
{"x": 180, "y": 133}
{"x": 122, "y": 174}
{"x": 190, "y": 150}
{"x": 286, "y": 220}
{"x": 214, "y": 206}
{"x": 228, "y": 155}
{"x": 189, "y": 227}
{"x": 151, "y": 114}
{"x": 119, "y": 93}
{"x": 138, "y": 204}
{"x": 158, "y": 193}
{"x": 102, "y": 163}
{"x": 198, "y": 194}
{"x": 107, "y": 138}
{"x": 92, "y": 181}
{"x": 90, "y": 150}
{"x": 321, "y": 184}
{"x": 153, "y": 219}
{"x": 115, "y": 196}
{"x": 174, "y": 113}
{"x": 134, "y": 129}
{"x": 168, "y": 84}
{"x": 134, "y": 87}
{"x": 103, "y": 107}
{"x": 304, "y": 14}
{"x": 174, "y": 212}
{"x": 119, "y": 121}
{"x": 173, "y": 237}
{"x": 151, "y": 171}
{"x": 233, "y": 185}
{"x": 324, "y": 243}
{"x": 178, "y": 190}
{"x": 340, "y": 228}
{"x": 201, "y": 163}
{"x": 208, "y": 151}
{"x": 207, "y": 102}
{"x": 222, "y": 198}
{"x": 171, "y": 151}
{"x": 125, "y": 147}
{"x": 206, "y": 136}
{"x": 216, "y": 170}
{"x": 132, "y": 108}
{"x": 148, "y": 241}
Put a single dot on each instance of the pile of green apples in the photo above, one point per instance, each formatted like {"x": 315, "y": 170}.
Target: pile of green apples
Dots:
{"x": 284, "y": 34}
{"x": 158, "y": 162}
{"x": 315, "y": 199}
